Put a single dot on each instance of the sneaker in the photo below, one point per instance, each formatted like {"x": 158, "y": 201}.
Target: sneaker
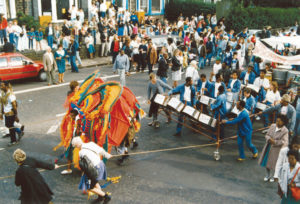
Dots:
{"x": 255, "y": 155}
{"x": 66, "y": 171}
{"x": 107, "y": 198}
{"x": 264, "y": 131}
{"x": 11, "y": 144}
{"x": 150, "y": 124}
{"x": 271, "y": 180}
{"x": 257, "y": 118}
{"x": 266, "y": 178}
{"x": 240, "y": 159}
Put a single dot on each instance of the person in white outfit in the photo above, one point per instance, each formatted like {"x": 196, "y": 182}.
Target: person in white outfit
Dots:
{"x": 23, "y": 41}
{"x": 192, "y": 71}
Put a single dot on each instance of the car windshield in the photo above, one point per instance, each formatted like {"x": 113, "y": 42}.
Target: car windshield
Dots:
{"x": 3, "y": 62}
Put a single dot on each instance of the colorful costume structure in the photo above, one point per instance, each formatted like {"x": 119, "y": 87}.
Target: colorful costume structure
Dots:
{"x": 108, "y": 112}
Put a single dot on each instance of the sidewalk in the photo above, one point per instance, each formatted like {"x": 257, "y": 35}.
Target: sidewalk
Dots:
{"x": 97, "y": 61}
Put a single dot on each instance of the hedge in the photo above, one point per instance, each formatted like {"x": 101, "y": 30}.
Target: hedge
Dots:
{"x": 188, "y": 8}
{"x": 258, "y": 17}
{"x": 27, "y": 20}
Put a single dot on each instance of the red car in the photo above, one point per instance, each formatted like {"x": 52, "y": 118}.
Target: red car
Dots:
{"x": 17, "y": 66}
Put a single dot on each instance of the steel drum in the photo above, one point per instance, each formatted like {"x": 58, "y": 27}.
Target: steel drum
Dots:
{"x": 292, "y": 74}
{"x": 280, "y": 75}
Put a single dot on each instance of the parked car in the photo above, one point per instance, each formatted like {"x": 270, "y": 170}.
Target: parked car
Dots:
{"x": 16, "y": 66}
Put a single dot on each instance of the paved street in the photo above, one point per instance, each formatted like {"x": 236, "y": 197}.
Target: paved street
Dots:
{"x": 175, "y": 177}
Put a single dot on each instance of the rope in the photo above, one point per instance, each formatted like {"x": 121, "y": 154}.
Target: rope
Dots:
{"x": 131, "y": 154}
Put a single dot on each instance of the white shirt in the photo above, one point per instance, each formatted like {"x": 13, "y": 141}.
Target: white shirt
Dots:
{"x": 89, "y": 40}
{"x": 187, "y": 93}
{"x": 272, "y": 97}
{"x": 10, "y": 99}
{"x": 93, "y": 152}
{"x": 135, "y": 46}
{"x": 217, "y": 85}
{"x": 103, "y": 7}
{"x": 217, "y": 67}
{"x": 50, "y": 31}
{"x": 179, "y": 24}
{"x": 246, "y": 78}
{"x": 277, "y": 129}
{"x": 262, "y": 83}
{"x": 193, "y": 73}
{"x": 232, "y": 83}
{"x": 73, "y": 13}
{"x": 284, "y": 110}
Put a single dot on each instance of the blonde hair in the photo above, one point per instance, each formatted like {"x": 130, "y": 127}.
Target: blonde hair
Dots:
{"x": 152, "y": 75}
{"x": 275, "y": 86}
{"x": 19, "y": 156}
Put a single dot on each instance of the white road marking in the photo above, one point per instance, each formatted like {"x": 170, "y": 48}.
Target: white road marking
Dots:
{"x": 60, "y": 115}
{"x": 64, "y": 84}
{"x": 52, "y": 129}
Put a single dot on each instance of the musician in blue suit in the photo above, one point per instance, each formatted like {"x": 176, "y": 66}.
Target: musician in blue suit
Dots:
{"x": 187, "y": 96}
{"x": 248, "y": 77}
{"x": 214, "y": 86}
{"x": 220, "y": 108}
{"x": 203, "y": 85}
{"x": 234, "y": 85}
{"x": 249, "y": 100}
{"x": 244, "y": 131}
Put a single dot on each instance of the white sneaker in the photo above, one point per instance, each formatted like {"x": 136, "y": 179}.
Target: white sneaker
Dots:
{"x": 266, "y": 179}
{"x": 257, "y": 118}
{"x": 271, "y": 180}
{"x": 66, "y": 171}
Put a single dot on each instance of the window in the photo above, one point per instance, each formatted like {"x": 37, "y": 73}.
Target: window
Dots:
{"x": 16, "y": 61}
{"x": 46, "y": 6}
{"x": 3, "y": 62}
{"x": 156, "y": 6}
{"x": 144, "y": 5}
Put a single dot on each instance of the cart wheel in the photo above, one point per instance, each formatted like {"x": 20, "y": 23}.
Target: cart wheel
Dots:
{"x": 217, "y": 155}
{"x": 156, "y": 124}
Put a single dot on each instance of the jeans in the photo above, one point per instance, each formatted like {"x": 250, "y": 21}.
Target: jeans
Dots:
{"x": 50, "y": 41}
{"x": 251, "y": 147}
{"x": 121, "y": 73}
{"x": 201, "y": 62}
{"x": 77, "y": 38}
{"x": 78, "y": 57}
{"x": 9, "y": 123}
{"x": 11, "y": 37}
{"x": 180, "y": 119}
{"x": 297, "y": 125}
{"x": 266, "y": 117}
{"x": 30, "y": 44}
{"x": 2, "y": 35}
{"x": 94, "y": 36}
{"x": 208, "y": 57}
{"x": 73, "y": 64}
{"x": 164, "y": 79}
{"x": 102, "y": 14}
{"x": 16, "y": 39}
{"x": 150, "y": 66}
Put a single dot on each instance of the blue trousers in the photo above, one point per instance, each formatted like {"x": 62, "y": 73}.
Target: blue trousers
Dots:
{"x": 164, "y": 79}
{"x": 16, "y": 38}
{"x": 201, "y": 62}
{"x": 94, "y": 36}
{"x": 11, "y": 37}
{"x": 251, "y": 147}
{"x": 73, "y": 64}
{"x": 30, "y": 44}
{"x": 208, "y": 57}
{"x": 297, "y": 126}
{"x": 266, "y": 117}
{"x": 180, "y": 119}
{"x": 50, "y": 40}
{"x": 2, "y": 35}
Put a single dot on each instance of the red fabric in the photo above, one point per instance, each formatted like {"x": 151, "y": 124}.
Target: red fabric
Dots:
{"x": 3, "y": 25}
{"x": 116, "y": 46}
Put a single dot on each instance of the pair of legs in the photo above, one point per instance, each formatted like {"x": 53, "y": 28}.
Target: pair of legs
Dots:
{"x": 61, "y": 77}
{"x": 38, "y": 45}
{"x": 141, "y": 62}
{"x": 51, "y": 76}
{"x": 201, "y": 62}
{"x": 74, "y": 67}
{"x": 9, "y": 123}
{"x": 249, "y": 144}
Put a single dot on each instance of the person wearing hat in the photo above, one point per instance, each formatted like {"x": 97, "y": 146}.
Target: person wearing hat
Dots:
{"x": 284, "y": 108}
{"x": 3, "y": 26}
{"x": 34, "y": 189}
{"x": 192, "y": 71}
{"x": 248, "y": 77}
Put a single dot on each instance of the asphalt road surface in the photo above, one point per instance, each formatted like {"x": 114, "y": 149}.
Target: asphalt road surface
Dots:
{"x": 173, "y": 177}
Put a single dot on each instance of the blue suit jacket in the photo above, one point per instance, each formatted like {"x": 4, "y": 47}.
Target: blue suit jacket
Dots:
{"x": 181, "y": 89}
{"x": 244, "y": 123}
{"x": 251, "y": 77}
{"x": 256, "y": 69}
{"x": 212, "y": 89}
{"x": 250, "y": 104}
{"x": 236, "y": 86}
{"x": 220, "y": 106}
{"x": 207, "y": 85}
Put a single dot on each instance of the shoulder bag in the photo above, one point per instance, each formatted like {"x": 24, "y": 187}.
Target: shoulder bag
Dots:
{"x": 295, "y": 190}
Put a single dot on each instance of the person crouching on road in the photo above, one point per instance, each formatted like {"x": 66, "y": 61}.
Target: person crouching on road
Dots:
{"x": 34, "y": 189}
{"x": 91, "y": 153}
{"x": 156, "y": 86}
{"x": 244, "y": 131}
{"x": 122, "y": 64}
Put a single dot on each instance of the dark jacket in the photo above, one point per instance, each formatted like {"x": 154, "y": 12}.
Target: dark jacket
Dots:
{"x": 47, "y": 31}
{"x": 8, "y": 47}
{"x": 175, "y": 64}
{"x": 225, "y": 73}
{"x": 65, "y": 30}
{"x": 74, "y": 48}
{"x": 34, "y": 189}
{"x": 202, "y": 51}
{"x": 162, "y": 67}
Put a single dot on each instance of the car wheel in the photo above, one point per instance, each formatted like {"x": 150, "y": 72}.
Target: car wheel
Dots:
{"x": 42, "y": 75}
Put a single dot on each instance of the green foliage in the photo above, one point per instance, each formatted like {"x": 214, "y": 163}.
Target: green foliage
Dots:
{"x": 29, "y": 21}
{"x": 188, "y": 8}
{"x": 277, "y": 3}
{"x": 257, "y": 18}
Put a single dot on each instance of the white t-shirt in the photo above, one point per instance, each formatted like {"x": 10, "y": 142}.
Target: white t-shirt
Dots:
{"x": 193, "y": 73}
{"x": 93, "y": 152}
{"x": 246, "y": 78}
{"x": 284, "y": 110}
{"x": 262, "y": 83}
{"x": 135, "y": 46}
{"x": 216, "y": 68}
{"x": 11, "y": 98}
{"x": 217, "y": 85}
{"x": 187, "y": 93}
{"x": 272, "y": 97}
{"x": 103, "y": 7}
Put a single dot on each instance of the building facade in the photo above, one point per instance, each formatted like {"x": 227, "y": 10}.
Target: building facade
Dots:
{"x": 57, "y": 8}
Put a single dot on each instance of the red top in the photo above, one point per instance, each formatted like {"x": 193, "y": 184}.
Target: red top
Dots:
{"x": 116, "y": 46}
{"x": 3, "y": 24}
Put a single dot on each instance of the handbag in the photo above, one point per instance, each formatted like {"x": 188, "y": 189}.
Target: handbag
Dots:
{"x": 295, "y": 190}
